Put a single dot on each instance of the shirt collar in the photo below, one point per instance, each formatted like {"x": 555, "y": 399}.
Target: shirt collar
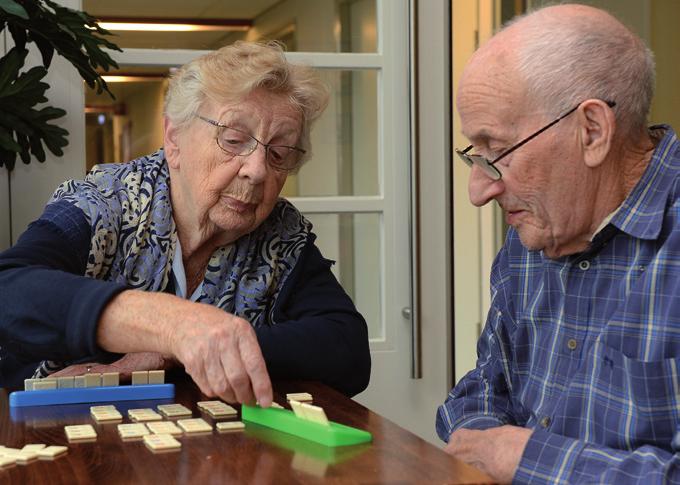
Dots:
{"x": 641, "y": 214}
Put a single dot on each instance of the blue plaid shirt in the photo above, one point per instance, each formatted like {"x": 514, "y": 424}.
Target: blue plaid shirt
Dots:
{"x": 585, "y": 349}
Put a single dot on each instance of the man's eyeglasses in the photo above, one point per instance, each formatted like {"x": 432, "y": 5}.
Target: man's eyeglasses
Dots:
{"x": 489, "y": 165}
{"x": 237, "y": 142}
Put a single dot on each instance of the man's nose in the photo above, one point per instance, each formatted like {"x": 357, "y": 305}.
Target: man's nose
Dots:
{"x": 483, "y": 188}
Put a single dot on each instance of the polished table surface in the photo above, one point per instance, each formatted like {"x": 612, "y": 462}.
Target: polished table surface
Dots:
{"x": 256, "y": 455}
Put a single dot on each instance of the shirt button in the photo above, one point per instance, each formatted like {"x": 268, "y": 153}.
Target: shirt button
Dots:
{"x": 545, "y": 421}
{"x": 584, "y": 265}
{"x": 572, "y": 344}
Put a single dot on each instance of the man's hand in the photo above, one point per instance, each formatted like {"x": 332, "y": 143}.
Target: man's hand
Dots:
{"x": 125, "y": 366}
{"x": 221, "y": 353}
{"x": 495, "y": 451}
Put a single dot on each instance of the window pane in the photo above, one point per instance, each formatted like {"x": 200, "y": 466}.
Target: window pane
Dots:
{"x": 344, "y": 140}
{"x": 353, "y": 241}
{"x": 121, "y": 129}
{"x": 302, "y": 25}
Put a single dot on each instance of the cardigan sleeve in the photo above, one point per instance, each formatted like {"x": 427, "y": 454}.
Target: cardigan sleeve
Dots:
{"x": 318, "y": 334}
{"x": 48, "y": 309}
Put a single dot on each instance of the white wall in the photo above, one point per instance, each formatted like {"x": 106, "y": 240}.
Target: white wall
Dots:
{"x": 33, "y": 184}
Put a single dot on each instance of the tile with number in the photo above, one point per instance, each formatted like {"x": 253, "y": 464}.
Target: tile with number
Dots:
{"x": 132, "y": 430}
{"x": 33, "y": 447}
{"x": 156, "y": 377}
{"x": 315, "y": 413}
{"x": 105, "y": 413}
{"x": 164, "y": 427}
{"x": 144, "y": 414}
{"x": 196, "y": 425}
{"x": 52, "y": 452}
{"x": 80, "y": 432}
{"x": 25, "y": 457}
{"x": 220, "y": 410}
{"x": 224, "y": 426}
{"x": 207, "y": 404}
{"x": 299, "y": 396}
{"x": 173, "y": 410}
{"x": 161, "y": 442}
{"x": 140, "y": 377}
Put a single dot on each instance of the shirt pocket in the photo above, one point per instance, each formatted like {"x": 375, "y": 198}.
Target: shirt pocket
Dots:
{"x": 634, "y": 402}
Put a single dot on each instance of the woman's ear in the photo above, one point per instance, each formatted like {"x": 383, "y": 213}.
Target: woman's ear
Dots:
{"x": 597, "y": 126}
{"x": 171, "y": 136}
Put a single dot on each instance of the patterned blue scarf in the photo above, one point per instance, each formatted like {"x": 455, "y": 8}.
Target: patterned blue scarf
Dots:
{"x": 134, "y": 236}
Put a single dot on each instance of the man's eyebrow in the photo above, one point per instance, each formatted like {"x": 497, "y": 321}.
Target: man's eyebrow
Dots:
{"x": 478, "y": 138}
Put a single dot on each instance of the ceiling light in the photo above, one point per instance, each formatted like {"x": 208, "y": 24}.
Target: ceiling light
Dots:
{"x": 131, "y": 78}
{"x": 173, "y": 24}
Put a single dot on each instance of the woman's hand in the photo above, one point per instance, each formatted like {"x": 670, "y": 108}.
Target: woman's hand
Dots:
{"x": 218, "y": 350}
{"x": 125, "y": 366}
{"x": 221, "y": 353}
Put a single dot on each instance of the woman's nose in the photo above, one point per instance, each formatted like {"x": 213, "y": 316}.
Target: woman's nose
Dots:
{"x": 482, "y": 188}
{"x": 254, "y": 166}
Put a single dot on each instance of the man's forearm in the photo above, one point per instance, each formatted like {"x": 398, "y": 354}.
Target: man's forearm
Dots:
{"x": 552, "y": 458}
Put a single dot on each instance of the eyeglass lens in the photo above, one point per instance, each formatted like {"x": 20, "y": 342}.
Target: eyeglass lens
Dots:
{"x": 238, "y": 142}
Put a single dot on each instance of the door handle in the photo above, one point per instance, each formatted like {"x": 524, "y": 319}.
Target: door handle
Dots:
{"x": 412, "y": 313}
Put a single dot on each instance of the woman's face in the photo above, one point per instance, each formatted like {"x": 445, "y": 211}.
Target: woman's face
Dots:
{"x": 220, "y": 193}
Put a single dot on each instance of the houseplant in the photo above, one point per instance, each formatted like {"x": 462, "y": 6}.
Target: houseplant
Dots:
{"x": 74, "y": 35}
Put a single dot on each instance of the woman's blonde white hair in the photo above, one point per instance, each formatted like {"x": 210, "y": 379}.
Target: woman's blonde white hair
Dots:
{"x": 231, "y": 73}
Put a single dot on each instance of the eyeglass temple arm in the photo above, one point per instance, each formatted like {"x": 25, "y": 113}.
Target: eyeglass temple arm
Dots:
{"x": 611, "y": 104}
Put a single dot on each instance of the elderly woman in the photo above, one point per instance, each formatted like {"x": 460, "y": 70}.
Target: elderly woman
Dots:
{"x": 188, "y": 255}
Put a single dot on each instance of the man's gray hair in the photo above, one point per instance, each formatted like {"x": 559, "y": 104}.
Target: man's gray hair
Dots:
{"x": 568, "y": 59}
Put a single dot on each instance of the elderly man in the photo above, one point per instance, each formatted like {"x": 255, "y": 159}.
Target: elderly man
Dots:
{"x": 578, "y": 375}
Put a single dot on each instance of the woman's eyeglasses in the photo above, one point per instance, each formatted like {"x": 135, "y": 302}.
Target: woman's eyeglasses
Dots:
{"x": 239, "y": 143}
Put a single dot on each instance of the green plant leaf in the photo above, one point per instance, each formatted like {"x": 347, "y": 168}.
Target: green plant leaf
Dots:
{"x": 13, "y": 8}
{"x": 7, "y": 142}
{"x": 23, "y": 128}
{"x": 10, "y": 64}
{"x": 46, "y": 51}
{"x": 74, "y": 35}
{"x": 8, "y": 158}
{"x": 19, "y": 36}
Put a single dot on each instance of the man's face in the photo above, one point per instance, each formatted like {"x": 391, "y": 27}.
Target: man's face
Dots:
{"x": 542, "y": 191}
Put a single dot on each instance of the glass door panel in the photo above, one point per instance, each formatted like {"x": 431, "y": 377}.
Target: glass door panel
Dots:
{"x": 301, "y": 25}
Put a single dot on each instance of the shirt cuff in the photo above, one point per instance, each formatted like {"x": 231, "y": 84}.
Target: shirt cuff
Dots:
{"x": 479, "y": 422}
{"x": 548, "y": 458}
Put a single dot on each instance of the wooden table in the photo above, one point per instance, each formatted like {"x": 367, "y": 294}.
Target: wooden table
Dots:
{"x": 256, "y": 455}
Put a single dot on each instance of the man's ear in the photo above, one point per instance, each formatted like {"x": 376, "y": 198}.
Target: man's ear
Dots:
{"x": 597, "y": 126}
{"x": 171, "y": 136}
